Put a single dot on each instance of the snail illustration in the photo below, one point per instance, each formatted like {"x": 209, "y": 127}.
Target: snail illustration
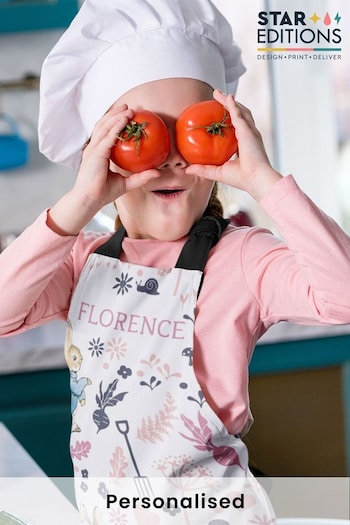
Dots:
{"x": 150, "y": 286}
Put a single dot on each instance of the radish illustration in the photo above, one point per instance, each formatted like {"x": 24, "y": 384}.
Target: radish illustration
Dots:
{"x": 202, "y": 437}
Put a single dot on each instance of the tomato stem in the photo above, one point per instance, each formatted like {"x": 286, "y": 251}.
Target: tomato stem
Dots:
{"x": 133, "y": 131}
{"x": 215, "y": 128}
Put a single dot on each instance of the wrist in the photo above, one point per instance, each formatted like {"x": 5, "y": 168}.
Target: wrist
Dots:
{"x": 262, "y": 183}
{"x": 71, "y": 213}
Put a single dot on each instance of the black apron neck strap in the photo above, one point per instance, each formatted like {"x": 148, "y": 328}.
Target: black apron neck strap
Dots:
{"x": 202, "y": 237}
{"x": 113, "y": 246}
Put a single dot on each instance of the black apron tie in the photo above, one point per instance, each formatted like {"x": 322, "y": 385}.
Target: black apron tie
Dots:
{"x": 203, "y": 236}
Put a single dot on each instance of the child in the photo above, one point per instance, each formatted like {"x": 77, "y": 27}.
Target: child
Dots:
{"x": 163, "y": 354}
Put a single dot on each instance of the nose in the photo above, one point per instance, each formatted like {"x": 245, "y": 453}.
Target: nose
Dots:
{"x": 174, "y": 159}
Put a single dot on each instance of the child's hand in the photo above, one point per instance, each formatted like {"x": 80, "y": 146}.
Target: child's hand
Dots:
{"x": 95, "y": 178}
{"x": 96, "y": 184}
{"x": 251, "y": 170}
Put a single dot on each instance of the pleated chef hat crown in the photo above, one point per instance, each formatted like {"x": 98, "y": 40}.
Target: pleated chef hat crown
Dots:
{"x": 112, "y": 46}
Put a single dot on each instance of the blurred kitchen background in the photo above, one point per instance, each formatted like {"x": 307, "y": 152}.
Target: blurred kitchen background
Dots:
{"x": 300, "y": 376}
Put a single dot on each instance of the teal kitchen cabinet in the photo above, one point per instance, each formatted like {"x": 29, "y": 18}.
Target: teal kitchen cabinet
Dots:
{"x": 35, "y": 407}
{"x": 32, "y": 15}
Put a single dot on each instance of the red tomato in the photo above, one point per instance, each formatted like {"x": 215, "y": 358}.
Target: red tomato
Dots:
{"x": 143, "y": 144}
{"x": 205, "y": 135}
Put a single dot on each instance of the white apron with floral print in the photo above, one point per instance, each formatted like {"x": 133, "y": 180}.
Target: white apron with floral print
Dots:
{"x": 142, "y": 431}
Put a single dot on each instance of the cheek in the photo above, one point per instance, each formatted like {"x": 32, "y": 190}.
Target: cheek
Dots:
{"x": 131, "y": 201}
{"x": 205, "y": 189}
{"x": 201, "y": 197}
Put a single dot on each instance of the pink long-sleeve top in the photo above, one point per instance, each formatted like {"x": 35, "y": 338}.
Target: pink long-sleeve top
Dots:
{"x": 252, "y": 280}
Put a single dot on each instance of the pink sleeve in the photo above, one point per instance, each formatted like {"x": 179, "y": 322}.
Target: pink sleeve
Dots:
{"x": 38, "y": 273}
{"x": 306, "y": 277}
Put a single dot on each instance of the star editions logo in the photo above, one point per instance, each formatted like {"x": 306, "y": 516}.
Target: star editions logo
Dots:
{"x": 297, "y": 31}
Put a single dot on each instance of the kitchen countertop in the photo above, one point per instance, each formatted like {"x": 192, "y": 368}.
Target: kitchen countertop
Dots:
{"x": 37, "y": 349}
{"x": 42, "y": 348}
{"x": 25, "y": 490}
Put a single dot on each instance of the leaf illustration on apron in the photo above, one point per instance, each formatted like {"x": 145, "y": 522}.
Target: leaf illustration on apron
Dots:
{"x": 202, "y": 436}
{"x": 153, "y": 383}
{"x": 80, "y": 450}
{"x": 118, "y": 463}
{"x": 154, "y": 429}
{"x": 104, "y": 400}
{"x": 201, "y": 399}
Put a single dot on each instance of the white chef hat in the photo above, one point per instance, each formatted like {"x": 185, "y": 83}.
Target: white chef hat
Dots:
{"x": 112, "y": 46}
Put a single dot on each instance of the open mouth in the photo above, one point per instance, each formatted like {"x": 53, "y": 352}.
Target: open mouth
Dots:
{"x": 167, "y": 191}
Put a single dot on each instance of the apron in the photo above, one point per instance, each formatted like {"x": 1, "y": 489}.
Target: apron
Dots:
{"x": 142, "y": 431}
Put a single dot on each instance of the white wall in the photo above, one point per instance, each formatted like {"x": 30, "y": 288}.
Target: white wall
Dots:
{"x": 303, "y": 109}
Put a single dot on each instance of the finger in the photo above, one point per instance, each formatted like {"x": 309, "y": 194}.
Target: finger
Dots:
{"x": 111, "y": 114}
{"x": 239, "y": 113}
{"x": 206, "y": 171}
{"x": 220, "y": 96}
{"x": 116, "y": 118}
{"x": 136, "y": 180}
{"x": 104, "y": 139}
{"x": 116, "y": 108}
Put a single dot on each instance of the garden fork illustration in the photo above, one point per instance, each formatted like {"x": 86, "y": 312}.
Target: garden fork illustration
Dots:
{"x": 142, "y": 482}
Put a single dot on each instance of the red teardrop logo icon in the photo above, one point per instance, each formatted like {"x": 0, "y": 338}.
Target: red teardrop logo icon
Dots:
{"x": 327, "y": 20}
